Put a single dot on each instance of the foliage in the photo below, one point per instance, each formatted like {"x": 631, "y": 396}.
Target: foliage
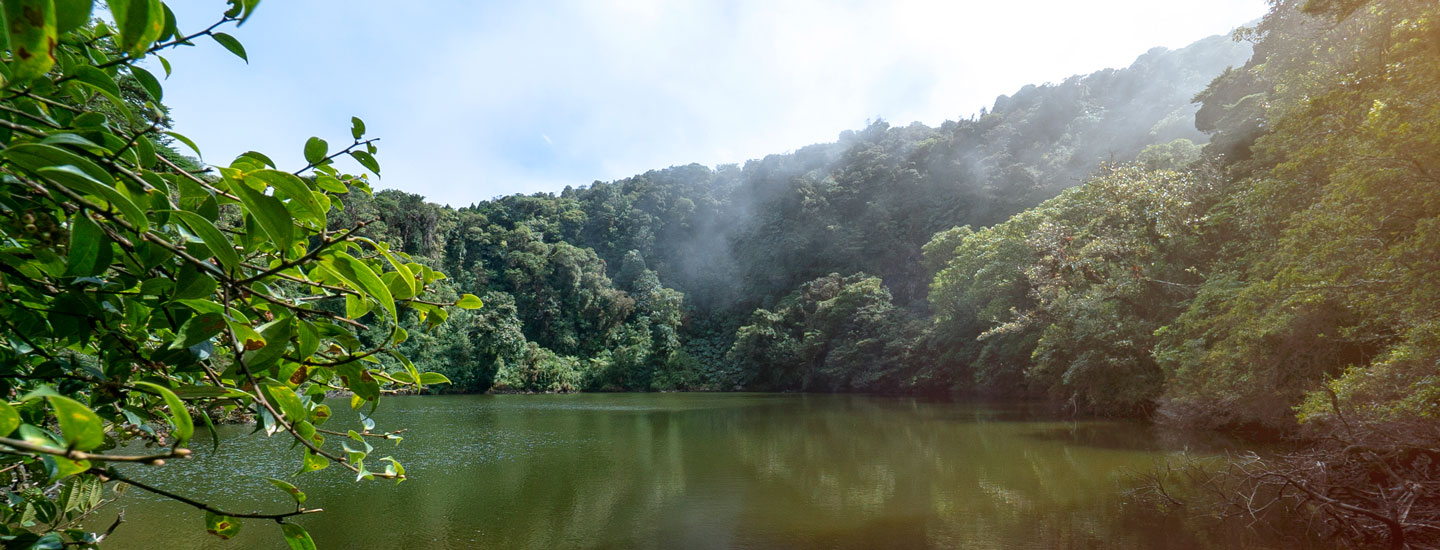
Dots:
{"x": 1065, "y": 298}
{"x": 1176, "y": 155}
{"x": 138, "y": 290}
{"x": 471, "y": 348}
{"x": 1301, "y": 277}
{"x": 1299, "y": 284}
{"x": 539, "y": 369}
{"x": 550, "y": 293}
{"x": 979, "y": 283}
{"x": 720, "y": 243}
{"x": 834, "y": 334}
{"x": 1333, "y": 274}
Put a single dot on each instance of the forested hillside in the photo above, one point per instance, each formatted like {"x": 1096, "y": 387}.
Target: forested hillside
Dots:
{"x": 1295, "y": 267}
{"x": 1291, "y": 274}
{"x": 1272, "y": 273}
{"x": 642, "y": 283}
{"x": 1283, "y": 280}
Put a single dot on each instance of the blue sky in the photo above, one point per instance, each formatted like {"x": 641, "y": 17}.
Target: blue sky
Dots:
{"x": 477, "y": 99}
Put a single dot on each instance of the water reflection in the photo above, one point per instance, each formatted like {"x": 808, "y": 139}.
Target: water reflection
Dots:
{"x": 696, "y": 471}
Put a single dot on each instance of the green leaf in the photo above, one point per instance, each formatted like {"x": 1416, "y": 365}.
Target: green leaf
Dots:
{"x": 72, "y": 14}
{"x": 268, "y": 211}
{"x": 42, "y": 391}
{"x": 32, "y": 35}
{"x": 76, "y": 494}
{"x": 224, "y": 527}
{"x": 258, "y": 157}
{"x": 284, "y": 399}
{"x": 145, "y": 149}
{"x": 82, "y": 428}
{"x": 102, "y": 82}
{"x": 191, "y": 284}
{"x": 357, "y": 127}
{"x": 308, "y": 339}
{"x": 411, "y": 374}
{"x": 198, "y": 329}
{"x": 321, "y": 414}
{"x": 9, "y": 418}
{"x": 329, "y": 183}
{"x": 149, "y": 82}
{"x": 356, "y": 307}
{"x": 469, "y": 301}
{"x": 428, "y": 378}
{"x": 313, "y": 462}
{"x": 198, "y": 392}
{"x": 359, "y": 380}
{"x": 206, "y": 306}
{"x": 297, "y": 537}
{"x": 359, "y": 275}
{"x": 50, "y": 541}
{"x": 216, "y": 241}
{"x": 394, "y": 468}
{"x": 98, "y": 79}
{"x": 210, "y": 427}
{"x": 288, "y": 488}
{"x": 171, "y": 31}
{"x": 398, "y": 288}
{"x": 60, "y": 467}
{"x": 34, "y": 156}
{"x": 241, "y": 9}
{"x": 295, "y": 189}
{"x": 277, "y": 339}
{"x": 74, "y": 140}
{"x": 305, "y": 429}
{"x": 182, "y": 139}
{"x": 80, "y": 182}
{"x": 140, "y": 23}
{"x": 315, "y": 150}
{"x": 179, "y": 415}
{"x": 406, "y": 277}
{"x": 249, "y": 339}
{"x": 90, "y": 252}
{"x": 367, "y": 160}
{"x": 230, "y": 43}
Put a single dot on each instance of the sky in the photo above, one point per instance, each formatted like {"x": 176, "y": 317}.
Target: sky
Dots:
{"x": 478, "y": 99}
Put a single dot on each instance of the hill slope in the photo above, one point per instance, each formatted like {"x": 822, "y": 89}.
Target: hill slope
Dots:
{"x": 641, "y": 282}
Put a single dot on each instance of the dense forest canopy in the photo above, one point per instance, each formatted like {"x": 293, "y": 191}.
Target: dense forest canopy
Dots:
{"x": 642, "y": 283}
{"x": 1217, "y": 237}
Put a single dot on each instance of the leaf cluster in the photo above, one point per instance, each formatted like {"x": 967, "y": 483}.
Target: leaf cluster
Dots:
{"x": 141, "y": 291}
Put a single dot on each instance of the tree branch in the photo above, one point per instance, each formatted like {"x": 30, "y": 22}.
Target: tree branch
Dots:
{"x": 155, "y": 460}
{"x": 113, "y": 475}
{"x": 337, "y": 154}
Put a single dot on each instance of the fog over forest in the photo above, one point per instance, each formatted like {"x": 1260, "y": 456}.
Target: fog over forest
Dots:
{"x": 662, "y": 268}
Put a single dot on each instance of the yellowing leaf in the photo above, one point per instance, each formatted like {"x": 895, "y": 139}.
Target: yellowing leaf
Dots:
{"x": 82, "y": 428}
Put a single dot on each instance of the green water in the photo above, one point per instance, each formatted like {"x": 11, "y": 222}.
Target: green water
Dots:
{"x": 691, "y": 471}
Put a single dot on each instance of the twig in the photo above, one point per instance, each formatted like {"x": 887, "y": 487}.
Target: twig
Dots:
{"x": 72, "y": 454}
{"x": 113, "y": 475}
{"x": 337, "y": 154}
{"x": 385, "y": 435}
